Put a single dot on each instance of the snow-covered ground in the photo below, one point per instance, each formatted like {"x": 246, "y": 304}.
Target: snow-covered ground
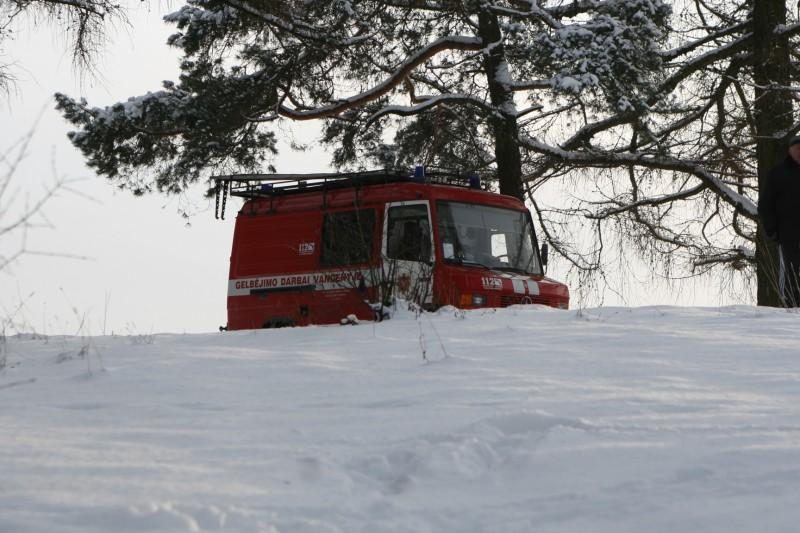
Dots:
{"x": 523, "y": 419}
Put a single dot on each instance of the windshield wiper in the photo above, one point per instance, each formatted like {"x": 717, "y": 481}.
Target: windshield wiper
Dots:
{"x": 511, "y": 269}
{"x": 468, "y": 262}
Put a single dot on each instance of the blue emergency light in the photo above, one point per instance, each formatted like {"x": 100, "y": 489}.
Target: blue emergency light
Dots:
{"x": 266, "y": 187}
{"x": 419, "y": 173}
{"x": 474, "y": 181}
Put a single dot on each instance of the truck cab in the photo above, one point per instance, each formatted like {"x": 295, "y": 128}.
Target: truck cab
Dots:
{"x": 317, "y": 248}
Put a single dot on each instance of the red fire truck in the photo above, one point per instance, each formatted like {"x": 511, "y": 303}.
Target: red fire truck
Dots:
{"x": 316, "y": 248}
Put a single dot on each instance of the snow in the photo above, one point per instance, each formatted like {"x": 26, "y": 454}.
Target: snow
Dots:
{"x": 503, "y": 78}
{"x": 133, "y": 108}
{"x": 188, "y": 14}
{"x": 347, "y": 7}
{"x": 568, "y": 84}
{"x": 521, "y": 419}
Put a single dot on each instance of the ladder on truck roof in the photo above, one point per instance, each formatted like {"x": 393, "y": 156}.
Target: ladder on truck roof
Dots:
{"x": 250, "y": 186}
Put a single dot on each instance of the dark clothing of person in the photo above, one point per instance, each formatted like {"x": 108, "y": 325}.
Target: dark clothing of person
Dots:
{"x": 790, "y": 287}
{"x": 779, "y": 210}
{"x": 779, "y": 203}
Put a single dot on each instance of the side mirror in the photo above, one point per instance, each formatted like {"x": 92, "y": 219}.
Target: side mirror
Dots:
{"x": 545, "y": 250}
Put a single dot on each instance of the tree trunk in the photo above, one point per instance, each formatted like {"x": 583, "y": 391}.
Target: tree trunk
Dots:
{"x": 774, "y": 117}
{"x": 504, "y": 120}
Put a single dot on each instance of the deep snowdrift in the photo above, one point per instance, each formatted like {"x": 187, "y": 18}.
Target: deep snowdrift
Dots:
{"x": 523, "y": 419}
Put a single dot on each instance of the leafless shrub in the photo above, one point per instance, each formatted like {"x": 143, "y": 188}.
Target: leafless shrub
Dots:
{"x": 20, "y": 213}
{"x": 83, "y": 24}
{"x": 88, "y": 347}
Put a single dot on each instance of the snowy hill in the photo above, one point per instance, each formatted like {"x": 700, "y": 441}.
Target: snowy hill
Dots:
{"x": 522, "y": 419}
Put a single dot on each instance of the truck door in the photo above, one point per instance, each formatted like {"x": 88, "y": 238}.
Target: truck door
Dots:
{"x": 407, "y": 250}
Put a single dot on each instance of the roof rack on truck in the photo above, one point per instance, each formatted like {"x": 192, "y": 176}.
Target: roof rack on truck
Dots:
{"x": 251, "y": 186}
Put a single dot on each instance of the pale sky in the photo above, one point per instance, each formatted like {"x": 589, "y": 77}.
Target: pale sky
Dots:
{"x": 157, "y": 273}
{"x": 145, "y": 270}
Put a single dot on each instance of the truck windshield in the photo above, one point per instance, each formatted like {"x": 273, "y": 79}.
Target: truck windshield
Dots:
{"x": 490, "y": 237}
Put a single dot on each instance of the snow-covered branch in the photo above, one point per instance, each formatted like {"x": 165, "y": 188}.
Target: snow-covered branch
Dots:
{"x": 428, "y": 103}
{"x": 534, "y": 11}
{"x": 660, "y": 162}
{"x": 425, "y": 5}
{"x": 789, "y": 30}
{"x": 293, "y": 26}
{"x": 397, "y": 77}
{"x": 532, "y": 85}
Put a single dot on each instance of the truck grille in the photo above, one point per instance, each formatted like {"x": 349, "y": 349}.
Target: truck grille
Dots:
{"x": 518, "y": 299}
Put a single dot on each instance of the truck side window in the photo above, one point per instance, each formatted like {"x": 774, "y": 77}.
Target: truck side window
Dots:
{"x": 409, "y": 233}
{"x": 347, "y": 237}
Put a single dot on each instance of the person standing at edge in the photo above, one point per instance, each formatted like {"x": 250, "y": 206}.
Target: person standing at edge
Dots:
{"x": 779, "y": 210}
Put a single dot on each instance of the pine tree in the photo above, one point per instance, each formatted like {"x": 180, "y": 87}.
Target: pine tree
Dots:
{"x": 445, "y": 78}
